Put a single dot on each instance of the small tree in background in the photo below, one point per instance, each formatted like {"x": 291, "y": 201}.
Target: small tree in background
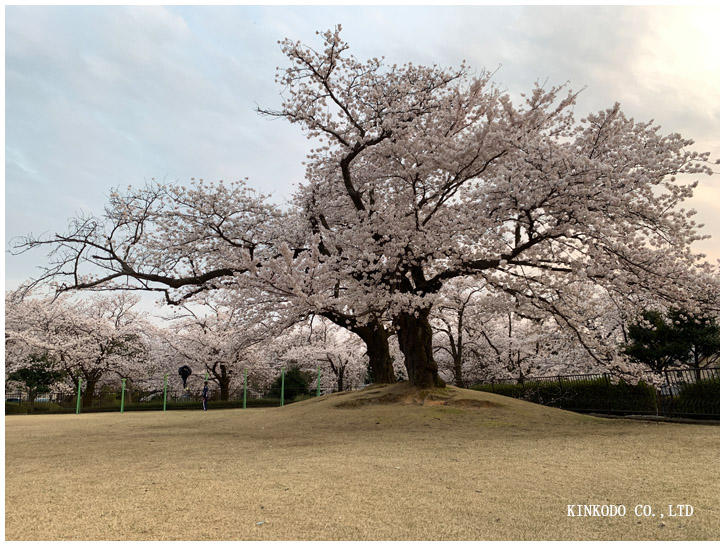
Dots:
{"x": 217, "y": 338}
{"x": 296, "y": 382}
{"x": 37, "y": 377}
{"x": 677, "y": 338}
{"x": 700, "y": 335}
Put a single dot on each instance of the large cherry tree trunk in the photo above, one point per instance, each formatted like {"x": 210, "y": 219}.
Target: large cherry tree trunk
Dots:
{"x": 224, "y": 389}
{"x": 457, "y": 351}
{"x": 415, "y": 338}
{"x": 89, "y": 390}
{"x": 32, "y": 395}
{"x": 375, "y": 337}
{"x": 458, "y": 369}
{"x": 341, "y": 379}
{"x": 224, "y": 383}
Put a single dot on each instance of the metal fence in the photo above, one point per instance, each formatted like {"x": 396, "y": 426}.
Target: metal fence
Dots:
{"x": 683, "y": 392}
{"x": 690, "y": 375}
{"x": 111, "y": 400}
{"x": 690, "y": 392}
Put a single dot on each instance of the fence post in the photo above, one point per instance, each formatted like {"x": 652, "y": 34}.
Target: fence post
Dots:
{"x": 658, "y": 402}
{"x": 281, "y": 397}
{"x": 664, "y": 399}
{"x": 609, "y": 392}
{"x": 78, "y": 398}
{"x": 166, "y": 380}
{"x": 244, "y": 399}
{"x": 318, "y": 381}
{"x": 123, "y": 392}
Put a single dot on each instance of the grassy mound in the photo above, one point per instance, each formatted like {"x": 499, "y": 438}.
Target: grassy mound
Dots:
{"x": 406, "y": 394}
{"x": 404, "y": 404}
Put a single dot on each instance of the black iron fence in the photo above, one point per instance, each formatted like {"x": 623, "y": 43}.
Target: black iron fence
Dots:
{"x": 687, "y": 376}
{"x": 684, "y": 392}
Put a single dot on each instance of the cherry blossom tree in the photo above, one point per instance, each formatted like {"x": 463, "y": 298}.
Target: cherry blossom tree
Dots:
{"x": 218, "y": 337}
{"x": 420, "y": 175}
{"x": 340, "y": 354}
{"x": 484, "y": 336}
{"x": 185, "y": 242}
{"x": 431, "y": 174}
{"x": 96, "y": 340}
{"x": 456, "y": 322}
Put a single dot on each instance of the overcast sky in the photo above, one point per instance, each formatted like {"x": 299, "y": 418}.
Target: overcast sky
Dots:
{"x": 99, "y": 97}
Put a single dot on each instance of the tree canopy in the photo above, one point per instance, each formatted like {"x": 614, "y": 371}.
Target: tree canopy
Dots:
{"x": 671, "y": 339}
{"x": 419, "y": 175}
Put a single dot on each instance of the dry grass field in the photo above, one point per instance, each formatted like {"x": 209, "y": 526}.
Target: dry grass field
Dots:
{"x": 377, "y": 464}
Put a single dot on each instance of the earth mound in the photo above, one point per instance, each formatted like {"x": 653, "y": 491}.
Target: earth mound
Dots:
{"x": 406, "y": 394}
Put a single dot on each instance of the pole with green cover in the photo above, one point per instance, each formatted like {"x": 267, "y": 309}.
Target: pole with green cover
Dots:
{"x": 78, "y": 398}
{"x": 318, "y": 381}
{"x": 166, "y": 381}
{"x": 123, "y": 392}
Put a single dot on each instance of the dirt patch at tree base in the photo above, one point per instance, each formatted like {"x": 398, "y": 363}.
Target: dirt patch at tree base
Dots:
{"x": 406, "y": 394}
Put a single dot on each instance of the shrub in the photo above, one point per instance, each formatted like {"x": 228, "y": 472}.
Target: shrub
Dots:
{"x": 701, "y": 398}
{"x": 14, "y": 408}
{"x": 296, "y": 382}
{"x": 596, "y": 395}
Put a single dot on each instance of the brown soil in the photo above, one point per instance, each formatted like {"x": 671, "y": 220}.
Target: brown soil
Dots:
{"x": 405, "y": 394}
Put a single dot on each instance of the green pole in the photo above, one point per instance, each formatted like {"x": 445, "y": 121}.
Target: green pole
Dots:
{"x": 281, "y": 398}
{"x": 318, "y": 381}
{"x": 206, "y": 375}
{"x": 123, "y": 392}
{"x": 78, "y": 399}
{"x": 244, "y": 399}
{"x": 166, "y": 378}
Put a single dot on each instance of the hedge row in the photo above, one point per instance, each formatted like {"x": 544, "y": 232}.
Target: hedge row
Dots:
{"x": 702, "y": 398}
{"x": 601, "y": 395}
{"x": 583, "y": 395}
